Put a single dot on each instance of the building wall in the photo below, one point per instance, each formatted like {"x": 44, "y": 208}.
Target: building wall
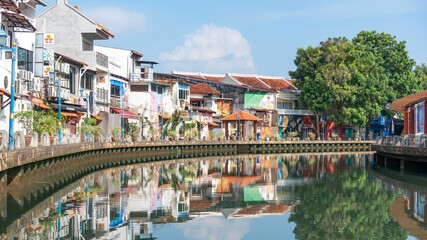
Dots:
{"x": 67, "y": 26}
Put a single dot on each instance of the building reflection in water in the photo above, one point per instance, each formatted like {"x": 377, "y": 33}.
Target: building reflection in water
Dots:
{"x": 132, "y": 202}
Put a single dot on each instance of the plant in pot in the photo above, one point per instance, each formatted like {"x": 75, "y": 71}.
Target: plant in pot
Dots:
{"x": 171, "y": 134}
{"x": 311, "y": 135}
{"x": 45, "y": 121}
{"x": 115, "y": 131}
{"x": 134, "y": 131}
{"x": 292, "y": 135}
{"x": 334, "y": 136}
{"x": 250, "y": 136}
{"x": 25, "y": 118}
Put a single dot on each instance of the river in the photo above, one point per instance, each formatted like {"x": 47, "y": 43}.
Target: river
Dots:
{"x": 280, "y": 196}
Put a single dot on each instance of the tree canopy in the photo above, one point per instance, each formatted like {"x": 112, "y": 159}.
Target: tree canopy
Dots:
{"x": 351, "y": 81}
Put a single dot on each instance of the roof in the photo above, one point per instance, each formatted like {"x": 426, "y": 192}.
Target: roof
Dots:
{"x": 242, "y": 116}
{"x": 9, "y": 5}
{"x": 204, "y": 76}
{"x": 200, "y": 88}
{"x": 249, "y": 80}
{"x": 104, "y": 30}
{"x": 126, "y": 113}
{"x": 400, "y": 104}
{"x": 19, "y": 22}
{"x": 41, "y": 2}
{"x": 278, "y": 83}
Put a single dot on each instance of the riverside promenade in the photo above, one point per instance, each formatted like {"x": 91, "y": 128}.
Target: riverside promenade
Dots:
{"x": 160, "y": 150}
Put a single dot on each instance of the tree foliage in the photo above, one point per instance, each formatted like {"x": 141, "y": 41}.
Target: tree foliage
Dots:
{"x": 351, "y": 81}
{"x": 345, "y": 206}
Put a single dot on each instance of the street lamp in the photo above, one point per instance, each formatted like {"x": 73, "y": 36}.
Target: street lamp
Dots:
{"x": 3, "y": 42}
{"x": 200, "y": 125}
{"x": 163, "y": 134}
{"x": 123, "y": 118}
{"x": 238, "y": 126}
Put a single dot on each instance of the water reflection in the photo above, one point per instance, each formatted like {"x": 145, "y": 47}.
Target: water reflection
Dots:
{"x": 326, "y": 196}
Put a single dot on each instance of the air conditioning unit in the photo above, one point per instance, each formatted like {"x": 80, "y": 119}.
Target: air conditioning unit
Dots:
{"x": 30, "y": 76}
{"x": 36, "y": 84}
{"x": 65, "y": 68}
{"x": 20, "y": 74}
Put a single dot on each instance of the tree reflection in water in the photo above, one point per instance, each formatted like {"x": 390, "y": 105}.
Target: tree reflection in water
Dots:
{"x": 345, "y": 205}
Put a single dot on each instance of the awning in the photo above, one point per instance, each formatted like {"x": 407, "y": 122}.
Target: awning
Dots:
{"x": 40, "y": 104}
{"x": 5, "y": 92}
{"x": 68, "y": 107}
{"x": 126, "y": 113}
{"x": 212, "y": 124}
{"x": 98, "y": 118}
{"x": 68, "y": 114}
{"x": 201, "y": 122}
{"x": 19, "y": 22}
{"x": 165, "y": 115}
{"x": 9, "y": 5}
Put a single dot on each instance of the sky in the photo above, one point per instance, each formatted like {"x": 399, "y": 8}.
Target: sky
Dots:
{"x": 248, "y": 36}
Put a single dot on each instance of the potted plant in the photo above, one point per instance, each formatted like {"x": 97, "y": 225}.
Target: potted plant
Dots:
{"x": 45, "y": 121}
{"x": 292, "y": 135}
{"x": 334, "y": 136}
{"x": 134, "y": 130}
{"x": 311, "y": 135}
{"x": 171, "y": 134}
{"x": 250, "y": 136}
{"x": 25, "y": 118}
{"x": 115, "y": 131}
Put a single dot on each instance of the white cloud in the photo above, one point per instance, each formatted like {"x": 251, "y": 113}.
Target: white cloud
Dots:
{"x": 118, "y": 20}
{"x": 211, "y": 228}
{"x": 211, "y": 49}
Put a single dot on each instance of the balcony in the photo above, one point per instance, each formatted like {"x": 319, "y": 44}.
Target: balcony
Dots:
{"x": 101, "y": 96}
{"x": 102, "y": 60}
{"x": 293, "y": 112}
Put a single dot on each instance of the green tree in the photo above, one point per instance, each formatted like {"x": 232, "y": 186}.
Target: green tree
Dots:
{"x": 421, "y": 74}
{"x": 346, "y": 206}
{"x": 351, "y": 81}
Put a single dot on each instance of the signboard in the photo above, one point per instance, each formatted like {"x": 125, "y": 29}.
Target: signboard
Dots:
{"x": 48, "y": 55}
{"x": 49, "y": 39}
{"x": 46, "y": 70}
{"x": 8, "y": 54}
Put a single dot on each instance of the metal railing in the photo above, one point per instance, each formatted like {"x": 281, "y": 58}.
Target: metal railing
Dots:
{"x": 408, "y": 140}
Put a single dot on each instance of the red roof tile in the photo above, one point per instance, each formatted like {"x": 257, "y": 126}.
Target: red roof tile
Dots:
{"x": 213, "y": 79}
{"x": 251, "y": 81}
{"x": 241, "y": 115}
{"x": 278, "y": 84}
{"x": 200, "y": 88}
{"x": 400, "y": 104}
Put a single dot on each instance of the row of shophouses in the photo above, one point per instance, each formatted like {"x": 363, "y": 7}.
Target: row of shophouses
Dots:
{"x": 116, "y": 86}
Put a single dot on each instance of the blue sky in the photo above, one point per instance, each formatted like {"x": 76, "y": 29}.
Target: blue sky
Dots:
{"x": 249, "y": 36}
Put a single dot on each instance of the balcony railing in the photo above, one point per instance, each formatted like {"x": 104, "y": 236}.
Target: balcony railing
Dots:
{"x": 102, "y": 60}
{"x": 138, "y": 77}
{"x": 293, "y": 112}
{"x": 102, "y": 95}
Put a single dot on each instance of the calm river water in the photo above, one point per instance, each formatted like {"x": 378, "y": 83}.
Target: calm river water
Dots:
{"x": 281, "y": 196}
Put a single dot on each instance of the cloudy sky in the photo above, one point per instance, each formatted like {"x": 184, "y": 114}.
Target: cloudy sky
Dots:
{"x": 249, "y": 36}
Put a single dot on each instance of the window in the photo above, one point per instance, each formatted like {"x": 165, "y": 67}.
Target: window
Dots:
{"x": 183, "y": 94}
{"x": 139, "y": 88}
{"x": 25, "y": 59}
{"x": 153, "y": 88}
{"x": 115, "y": 90}
{"x": 101, "y": 95}
{"x": 159, "y": 90}
{"x": 87, "y": 81}
{"x": 72, "y": 78}
{"x": 285, "y": 105}
{"x": 87, "y": 44}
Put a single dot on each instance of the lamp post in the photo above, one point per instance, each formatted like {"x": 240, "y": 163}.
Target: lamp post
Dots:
{"x": 200, "y": 125}
{"x": 161, "y": 129}
{"x": 123, "y": 118}
{"x": 53, "y": 75}
{"x": 238, "y": 126}
{"x": 3, "y": 40}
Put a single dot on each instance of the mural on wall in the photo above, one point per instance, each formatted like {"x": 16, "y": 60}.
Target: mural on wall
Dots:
{"x": 225, "y": 107}
{"x": 259, "y": 100}
{"x": 420, "y": 118}
{"x": 291, "y": 123}
{"x": 268, "y": 132}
